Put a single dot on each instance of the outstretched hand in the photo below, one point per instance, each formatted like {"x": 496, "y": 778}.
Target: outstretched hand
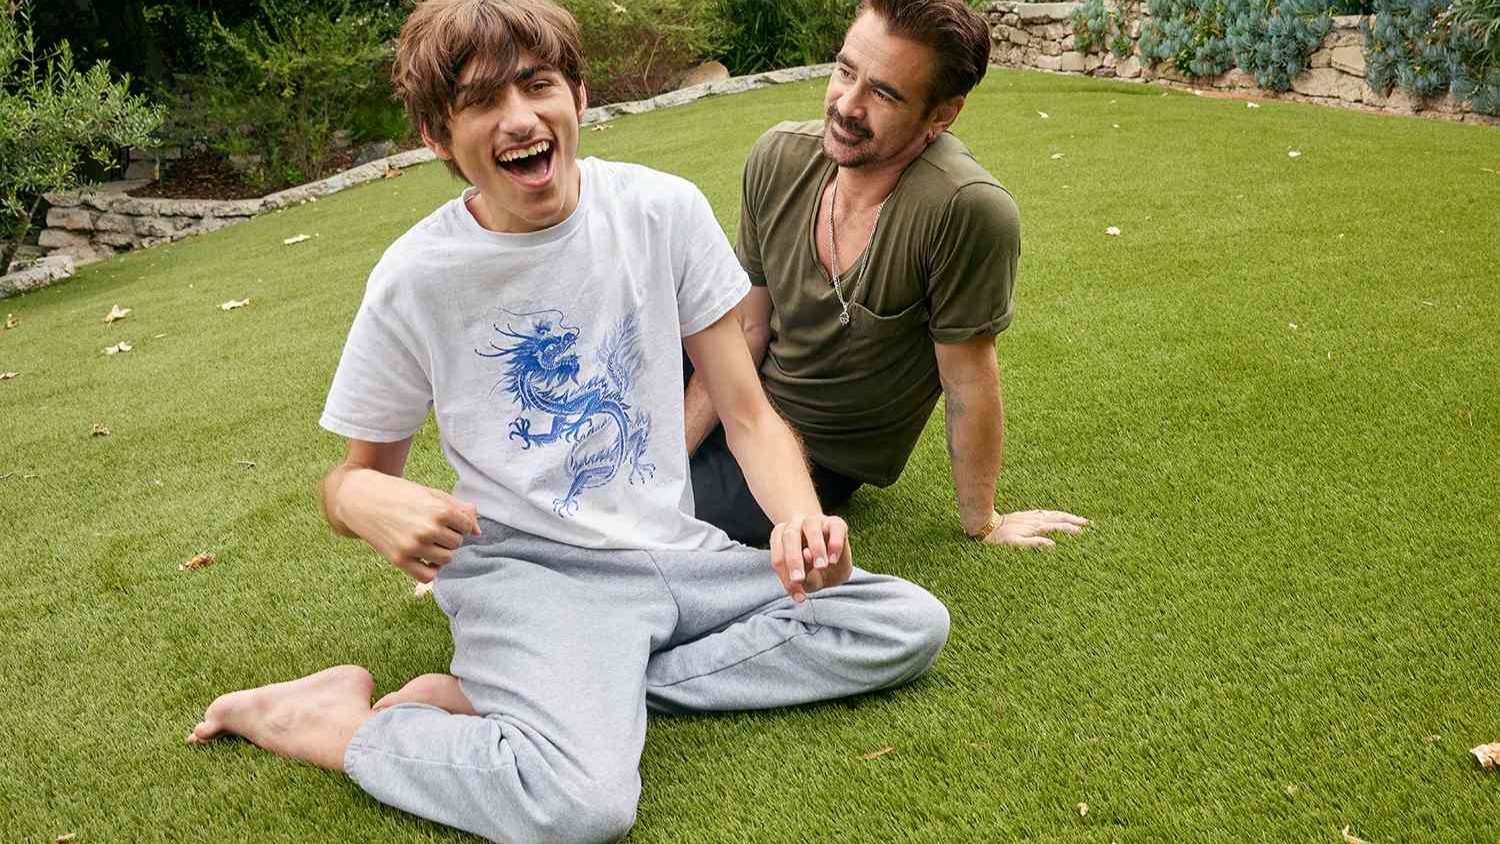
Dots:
{"x": 811, "y": 553}
{"x": 1028, "y": 528}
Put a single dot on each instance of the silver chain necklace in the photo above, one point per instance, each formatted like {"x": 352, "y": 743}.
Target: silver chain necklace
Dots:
{"x": 833, "y": 247}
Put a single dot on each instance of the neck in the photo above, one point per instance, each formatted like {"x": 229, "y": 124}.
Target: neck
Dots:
{"x": 864, "y": 188}
{"x": 494, "y": 216}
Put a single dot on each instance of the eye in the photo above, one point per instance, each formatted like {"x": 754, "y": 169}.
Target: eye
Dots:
{"x": 539, "y": 85}
{"x": 845, "y": 73}
{"x": 882, "y": 95}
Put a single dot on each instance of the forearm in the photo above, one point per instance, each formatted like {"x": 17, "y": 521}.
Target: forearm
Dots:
{"x": 700, "y": 415}
{"x": 334, "y": 484}
{"x": 775, "y": 467}
{"x": 974, "y": 416}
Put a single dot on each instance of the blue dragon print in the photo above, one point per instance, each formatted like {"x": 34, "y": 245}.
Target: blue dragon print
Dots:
{"x": 595, "y": 417}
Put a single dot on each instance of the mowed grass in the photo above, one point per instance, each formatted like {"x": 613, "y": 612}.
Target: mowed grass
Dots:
{"x": 1275, "y": 394}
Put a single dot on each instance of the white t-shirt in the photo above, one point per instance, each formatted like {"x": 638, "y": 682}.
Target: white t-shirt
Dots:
{"x": 553, "y": 358}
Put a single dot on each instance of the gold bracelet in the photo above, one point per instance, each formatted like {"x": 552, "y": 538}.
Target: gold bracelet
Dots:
{"x": 996, "y": 520}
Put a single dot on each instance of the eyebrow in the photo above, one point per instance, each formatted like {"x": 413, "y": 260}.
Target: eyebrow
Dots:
{"x": 521, "y": 76}
{"x": 880, "y": 85}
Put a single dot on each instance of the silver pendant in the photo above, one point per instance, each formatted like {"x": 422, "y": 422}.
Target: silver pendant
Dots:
{"x": 844, "y": 318}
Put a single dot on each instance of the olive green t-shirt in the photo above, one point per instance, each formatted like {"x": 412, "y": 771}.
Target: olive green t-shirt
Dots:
{"x": 941, "y": 267}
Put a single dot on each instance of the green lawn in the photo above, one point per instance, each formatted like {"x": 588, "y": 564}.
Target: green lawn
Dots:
{"x": 1277, "y": 395}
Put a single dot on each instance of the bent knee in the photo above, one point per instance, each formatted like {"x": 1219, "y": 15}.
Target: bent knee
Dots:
{"x": 922, "y": 631}
{"x": 591, "y": 814}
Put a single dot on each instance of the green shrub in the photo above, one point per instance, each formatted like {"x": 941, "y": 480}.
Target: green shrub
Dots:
{"x": 638, "y": 48}
{"x": 1191, "y": 34}
{"x": 763, "y": 35}
{"x": 1407, "y": 48}
{"x": 277, "y": 90}
{"x": 54, "y": 118}
{"x": 1475, "y": 27}
{"x": 1274, "y": 41}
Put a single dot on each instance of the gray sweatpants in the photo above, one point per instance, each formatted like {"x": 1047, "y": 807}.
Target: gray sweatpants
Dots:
{"x": 563, "y": 650}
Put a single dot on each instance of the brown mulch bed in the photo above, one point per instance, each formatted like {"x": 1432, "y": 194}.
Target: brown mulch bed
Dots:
{"x": 205, "y": 175}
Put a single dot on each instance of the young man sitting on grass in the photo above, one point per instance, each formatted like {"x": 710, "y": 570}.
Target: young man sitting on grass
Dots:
{"x": 540, "y": 315}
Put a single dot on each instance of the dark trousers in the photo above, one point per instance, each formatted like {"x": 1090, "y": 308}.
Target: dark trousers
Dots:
{"x": 722, "y": 497}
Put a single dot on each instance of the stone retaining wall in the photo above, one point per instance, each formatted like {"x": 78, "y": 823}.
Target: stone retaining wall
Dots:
{"x": 90, "y": 225}
{"x": 1040, "y": 36}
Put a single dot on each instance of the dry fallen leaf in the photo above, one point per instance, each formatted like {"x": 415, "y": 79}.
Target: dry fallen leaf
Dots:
{"x": 6, "y": 376}
{"x": 234, "y": 303}
{"x": 197, "y": 562}
{"x": 1113, "y": 231}
{"x": 876, "y": 754}
{"x": 1115, "y": 125}
{"x": 248, "y": 464}
{"x": 421, "y": 590}
{"x": 122, "y": 346}
{"x": 64, "y": 839}
{"x": 117, "y": 313}
{"x": 1056, "y": 156}
{"x": 1294, "y": 153}
{"x": 11, "y": 321}
{"x": 1252, "y": 105}
{"x": 296, "y": 239}
{"x": 1290, "y": 790}
{"x": 1433, "y": 739}
{"x": 1044, "y": 115}
{"x": 1292, "y": 326}
{"x": 392, "y": 172}
{"x": 1488, "y": 755}
{"x": 1083, "y": 810}
{"x": 600, "y": 127}
{"x": 1349, "y": 837}
{"x": 98, "y": 430}
{"x": 617, "y": 8}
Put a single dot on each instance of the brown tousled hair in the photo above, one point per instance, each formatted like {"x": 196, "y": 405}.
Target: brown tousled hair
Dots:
{"x": 954, "y": 31}
{"x": 443, "y": 37}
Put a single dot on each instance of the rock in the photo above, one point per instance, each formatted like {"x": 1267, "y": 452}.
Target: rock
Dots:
{"x": 113, "y": 223}
{"x": 1043, "y": 12}
{"x": 1350, "y": 60}
{"x": 153, "y": 226}
{"x": 1019, "y": 36}
{"x": 53, "y": 239}
{"x": 1400, "y": 101}
{"x": 1048, "y": 62}
{"x": 1105, "y": 73}
{"x": 86, "y": 254}
{"x": 42, "y": 273}
{"x": 143, "y": 170}
{"x": 1010, "y": 19}
{"x": 1110, "y": 60}
{"x": 1071, "y": 62}
{"x": 1321, "y": 58}
{"x": 374, "y": 152}
{"x": 75, "y": 219}
{"x": 703, "y": 73}
{"x": 1070, "y": 43}
{"x": 119, "y": 240}
{"x": 1051, "y": 48}
{"x": 1318, "y": 82}
{"x": 1237, "y": 78}
{"x": 1351, "y": 89}
{"x": 1056, "y": 31}
{"x": 1091, "y": 63}
{"x": 1129, "y": 68}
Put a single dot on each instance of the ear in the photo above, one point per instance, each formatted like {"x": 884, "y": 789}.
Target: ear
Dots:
{"x": 583, "y": 99}
{"x": 943, "y": 116}
{"x": 441, "y": 150}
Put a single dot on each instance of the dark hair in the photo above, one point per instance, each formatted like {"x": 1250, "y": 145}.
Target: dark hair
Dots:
{"x": 442, "y": 37}
{"x": 954, "y": 31}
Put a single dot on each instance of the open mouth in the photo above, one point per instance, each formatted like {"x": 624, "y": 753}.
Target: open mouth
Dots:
{"x": 530, "y": 165}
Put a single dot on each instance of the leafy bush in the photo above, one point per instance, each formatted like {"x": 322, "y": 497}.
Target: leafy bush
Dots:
{"x": 637, "y": 48}
{"x": 1475, "y": 26}
{"x": 1098, "y": 27}
{"x": 277, "y": 89}
{"x": 766, "y": 34}
{"x": 1407, "y": 48}
{"x": 53, "y": 117}
{"x": 1274, "y": 41}
{"x": 1191, "y": 34}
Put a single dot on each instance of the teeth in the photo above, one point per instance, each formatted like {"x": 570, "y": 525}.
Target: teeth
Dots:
{"x": 535, "y": 149}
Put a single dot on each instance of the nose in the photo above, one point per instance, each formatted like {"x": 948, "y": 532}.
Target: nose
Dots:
{"x": 517, "y": 119}
{"x": 850, "y": 102}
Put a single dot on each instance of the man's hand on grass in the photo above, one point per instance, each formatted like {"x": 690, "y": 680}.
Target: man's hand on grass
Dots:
{"x": 415, "y": 527}
{"x": 1028, "y": 528}
{"x": 811, "y": 553}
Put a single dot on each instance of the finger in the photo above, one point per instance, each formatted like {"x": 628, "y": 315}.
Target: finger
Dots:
{"x": 816, "y": 579}
{"x": 778, "y": 558}
{"x": 417, "y": 570}
{"x": 445, "y": 538}
{"x": 435, "y": 556}
{"x": 812, "y": 533}
{"x": 791, "y": 546}
{"x": 1063, "y": 527}
{"x": 474, "y": 518}
{"x": 1072, "y": 519}
{"x": 838, "y": 539}
{"x": 1036, "y": 542}
{"x": 456, "y": 517}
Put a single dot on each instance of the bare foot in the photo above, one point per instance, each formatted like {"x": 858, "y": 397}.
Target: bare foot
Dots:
{"x": 440, "y": 690}
{"x": 311, "y": 719}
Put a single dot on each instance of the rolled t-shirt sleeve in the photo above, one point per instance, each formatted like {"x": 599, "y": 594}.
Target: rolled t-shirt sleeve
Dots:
{"x": 747, "y": 243}
{"x": 381, "y": 392}
{"x": 710, "y": 280}
{"x": 973, "y": 266}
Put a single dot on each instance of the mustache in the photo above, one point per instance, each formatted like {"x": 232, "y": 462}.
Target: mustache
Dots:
{"x": 851, "y": 127}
